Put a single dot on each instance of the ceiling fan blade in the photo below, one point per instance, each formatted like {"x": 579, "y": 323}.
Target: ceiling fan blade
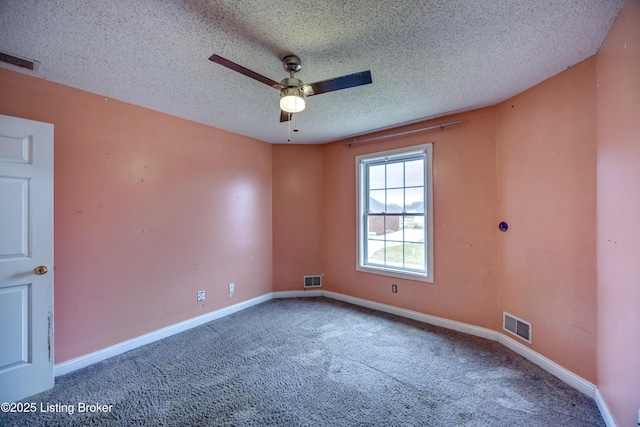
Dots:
{"x": 284, "y": 116}
{"x": 338, "y": 83}
{"x": 242, "y": 70}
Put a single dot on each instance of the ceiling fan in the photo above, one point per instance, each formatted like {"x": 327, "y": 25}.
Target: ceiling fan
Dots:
{"x": 293, "y": 90}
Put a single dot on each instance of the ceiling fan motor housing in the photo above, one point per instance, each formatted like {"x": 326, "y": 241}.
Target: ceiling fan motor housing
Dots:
{"x": 291, "y": 82}
{"x": 292, "y": 91}
{"x": 292, "y": 87}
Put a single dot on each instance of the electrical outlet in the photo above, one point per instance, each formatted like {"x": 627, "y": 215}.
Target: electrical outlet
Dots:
{"x": 394, "y": 288}
{"x": 232, "y": 287}
{"x": 200, "y": 296}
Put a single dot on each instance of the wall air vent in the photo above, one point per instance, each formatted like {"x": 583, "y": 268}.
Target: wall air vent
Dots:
{"x": 19, "y": 62}
{"x": 312, "y": 281}
{"x": 517, "y": 327}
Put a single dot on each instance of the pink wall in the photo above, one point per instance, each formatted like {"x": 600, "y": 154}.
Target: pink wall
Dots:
{"x": 465, "y": 232}
{"x": 149, "y": 209}
{"x": 618, "y": 177}
{"x": 547, "y": 175}
{"x": 297, "y": 213}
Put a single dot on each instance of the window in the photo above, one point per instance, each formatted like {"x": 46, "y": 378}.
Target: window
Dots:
{"x": 395, "y": 213}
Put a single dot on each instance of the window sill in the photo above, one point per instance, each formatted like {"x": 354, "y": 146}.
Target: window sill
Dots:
{"x": 395, "y": 273}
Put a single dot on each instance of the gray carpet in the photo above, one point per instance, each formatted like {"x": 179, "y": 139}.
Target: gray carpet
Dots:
{"x": 314, "y": 362}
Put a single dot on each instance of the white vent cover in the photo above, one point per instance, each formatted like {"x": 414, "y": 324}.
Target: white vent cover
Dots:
{"x": 517, "y": 327}
{"x": 312, "y": 281}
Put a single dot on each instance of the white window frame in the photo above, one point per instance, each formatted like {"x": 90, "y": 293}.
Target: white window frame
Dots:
{"x": 361, "y": 194}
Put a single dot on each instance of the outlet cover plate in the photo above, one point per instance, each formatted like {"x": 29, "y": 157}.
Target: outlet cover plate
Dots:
{"x": 232, "y": 287}
{"x": 200, "y": 296}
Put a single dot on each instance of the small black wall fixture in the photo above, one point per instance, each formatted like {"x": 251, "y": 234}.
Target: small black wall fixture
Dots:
{"x": 503, "y": 226}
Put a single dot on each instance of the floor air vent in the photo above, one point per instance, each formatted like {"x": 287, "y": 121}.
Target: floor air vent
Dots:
{"x": 517, "y": 327}
{"x": 312, "y": 281}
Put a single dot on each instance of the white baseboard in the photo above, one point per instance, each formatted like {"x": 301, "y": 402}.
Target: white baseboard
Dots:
{"x": 415, "y": 315}
{"x": 114, "y": 350}
{"x": 548, "y": 365}
{"x": 565, "y": 375}
{"x": 298, "y": 294}
{"x": 604, "y": 410}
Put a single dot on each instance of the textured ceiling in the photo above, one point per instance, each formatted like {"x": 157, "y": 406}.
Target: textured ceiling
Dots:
{"x": 427, "y": 57}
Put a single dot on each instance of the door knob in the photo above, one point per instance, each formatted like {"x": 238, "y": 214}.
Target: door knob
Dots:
{"x": 40, "y": 270}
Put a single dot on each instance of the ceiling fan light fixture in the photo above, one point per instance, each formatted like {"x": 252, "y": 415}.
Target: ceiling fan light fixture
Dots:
{"x": 291, "y": 101}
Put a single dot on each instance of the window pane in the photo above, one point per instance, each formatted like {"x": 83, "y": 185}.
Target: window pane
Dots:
{"x": 395, "y": 175}
{"x": 392, "y": 228}
{"x": 375, "y": 227}
{"x": 414, "y": 228}
{"x": 394, "y": 254}
{"x": 376, "y": 177}
{"x": 375, "y": 252}
{"x": 376, "y": 201}
{"x": 414, "y": 256}
{"x": 414, "y": 173}
{"x": 414, "y": 200}
{"x": 395, "y": 200}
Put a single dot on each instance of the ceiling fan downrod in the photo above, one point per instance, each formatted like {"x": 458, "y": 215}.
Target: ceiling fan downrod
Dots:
{"x": 292, "y": 65}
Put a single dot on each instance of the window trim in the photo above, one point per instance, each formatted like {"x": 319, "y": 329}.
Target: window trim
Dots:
{"x": 361, "y": 204}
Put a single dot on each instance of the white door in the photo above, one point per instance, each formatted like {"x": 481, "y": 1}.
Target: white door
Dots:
{"x": 26, "y": 257}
